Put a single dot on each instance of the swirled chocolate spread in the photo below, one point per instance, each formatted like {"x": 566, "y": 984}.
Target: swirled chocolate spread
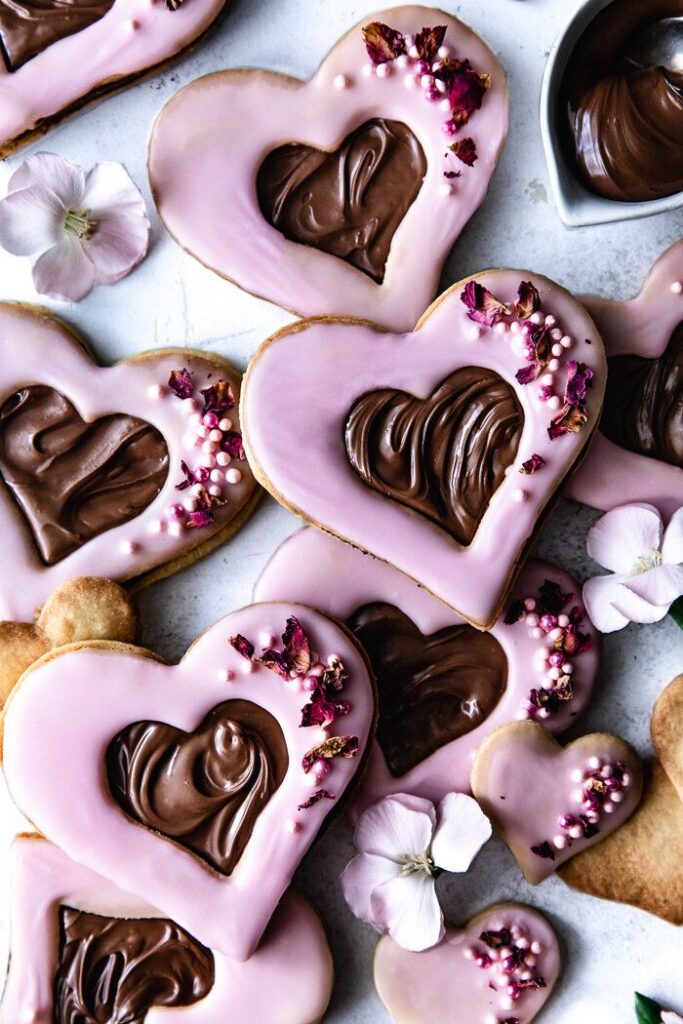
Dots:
{"x": 203, "y": 789}
{"x": 348, "y": 202}
{"x": 73, "y": 479}
{"x": 643, "y": 409}
{"x": 27, "y": 27}
{"x": 622, "y": 127}
{"x": 442, "y": 456}
{"x": 432, "y": 689}
{"x": 114, "y": 970}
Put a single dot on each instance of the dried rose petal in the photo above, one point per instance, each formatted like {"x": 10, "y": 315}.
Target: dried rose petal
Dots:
{"x": 382, "y": 43}
{"x": 232, "y": 444}
{"x": 334, "y": 676}
{"x": 466, "y": 91}
{"x": 529, "y": 373}
{"x": 334, "y": 746}
{"x": 189, "y": 477}
{"x": 322, "y": 710}
{"x": 528, "y": 301}
{"x": 551, "y": 599}
{"x": 465, "y": 150}
{"x": 199, "y": 518}
{"x": 428, "y": 41}
{"x": 536, "y": 981}
{"x": 570, "y": 420}
{"x": 242, "y": 645}
{"x": 320, "y": 794}
{"x": 533, "y": 464}
{"x": 297, "y": 646}
{"x": 180, "y": 382}
{"x": 218, "y": 397}
{"x": 496, "y": 939}
{"x": 514, "y": 612}
{"x": 579, "y": 376}
{"x": 452, "y": 174}
{"x": 482, "y": 306}
{"x": 275, "y": 661}
{"x": 544, "y": 850}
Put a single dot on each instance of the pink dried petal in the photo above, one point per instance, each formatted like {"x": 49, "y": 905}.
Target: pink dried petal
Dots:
{"x": 533, "y": 464}
{"x": 514, "y": 613}
{"x": 297, "y": 647}
{"x": 569, "y": 420}
{"x": 180, "y": 382}
{"x": 275, "y": 661}
{"x": 189, "y": 477}
{"x": 528, "y": 301}
{"x": 320, "y": 794}
{"x": 333, "y": 746}
{"x": 322, "y": 711}
{"x": 382, "y": 43}
{"x": 482, "y": 306}
{"x": 551, "y": 599}
{"x": 428, "y": 41}
{"x": 544, "y": 850}
{"x": 242, "y": 645}
{"x": 529, "y": 373}
{"x": 466, "y": 92}
{"x": 465, "y": 150}
{"x": 579, "y": 376}
{"x": 233, "y": 445}
{"x": 199, "y": 518}
{"x": 218, "y": 397}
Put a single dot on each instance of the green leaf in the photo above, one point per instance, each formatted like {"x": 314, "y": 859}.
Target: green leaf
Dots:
{"x": 647, "y": 1010}
{"x": 676, "y": 612}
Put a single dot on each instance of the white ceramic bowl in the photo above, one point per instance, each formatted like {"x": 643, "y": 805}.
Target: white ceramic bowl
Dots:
{"x": 577, "y": 206}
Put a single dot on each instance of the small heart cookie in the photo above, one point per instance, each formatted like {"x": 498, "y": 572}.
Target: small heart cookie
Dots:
{"x": 437, "y": 451}
{"x": 58, "y": 57}
{"x": 548, "y": 802}
{"x": 637, "y": 455}
{"x": 128, "y": 472}
{"x": 343, "y": 194}
{"x": 86, "y": 608}
{"x": 194, "y": 786}
{"x": 667, "y": 731}
{"x": 443, "y": 686}
{"x": 500, "y": 967}
{"x": 81, "y": 949}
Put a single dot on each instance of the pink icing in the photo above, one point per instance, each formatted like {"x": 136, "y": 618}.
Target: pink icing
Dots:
{"x": 287, "y": 980}
{"x": 38, "y": 350}
{"x": 444, "y": 984}
{"x": 200, "y": 136}
{"x": 528, "y": 782}
{"x": 65, "y": 712}
{"x": 610, "y": 475}
{"x": 290, "y": 407}
{"x": 319, "y": 570}
{"x": 133, "y": 37}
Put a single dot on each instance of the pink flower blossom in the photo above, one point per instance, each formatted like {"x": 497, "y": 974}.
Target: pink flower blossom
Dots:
{"x": 85, "y": 229}
{"x": 404, "y": 843}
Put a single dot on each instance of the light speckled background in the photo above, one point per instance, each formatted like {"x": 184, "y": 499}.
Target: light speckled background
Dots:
{"x": 171, "y": 300}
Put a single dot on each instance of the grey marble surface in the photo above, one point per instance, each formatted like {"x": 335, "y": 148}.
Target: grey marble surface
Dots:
{"x": 609, "y": 949}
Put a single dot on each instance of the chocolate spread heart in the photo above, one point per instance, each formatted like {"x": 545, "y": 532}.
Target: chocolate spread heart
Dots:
{"x": 203, "y": 789}
{"x": 116, "y": 970}
{"x": 643, "y": 409}
{"x": 350, "y": 202}
{"x": 27, "y": 27}
{"x": 442, "y": 456}
{"x": 73, "y": 479}
{"x": 432, "y": 688}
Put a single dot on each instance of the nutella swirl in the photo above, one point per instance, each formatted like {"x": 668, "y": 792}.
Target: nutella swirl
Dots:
{"x": 73, "y": 479}
{"x": 443, "y": 456}
{"x": 432, "y": 689}
{"x": 27, "y": 27}
{"x": 623, "y": 127}
{"x": 203, "y": 789}
{"x": 643, "y": 409}
{"x": 114, "y": 970}
{"x": 349, "y": 202}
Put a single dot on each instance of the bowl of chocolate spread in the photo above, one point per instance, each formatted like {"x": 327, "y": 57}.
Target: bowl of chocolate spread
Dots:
{"x": 612, "y": 132}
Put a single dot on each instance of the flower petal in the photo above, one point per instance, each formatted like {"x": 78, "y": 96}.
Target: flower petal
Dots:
{"x": 462, "y": 830}
{"x": 31, "y": 220}
{"x": 396, "y": 826}
{"x": 672, "y": 545}
{"x": 597, "y": 599}
{"x": 635, "y": 608}
{"x": 64, "y": 272}
{"x": 669, "y": 1017}
{"x": 360, "y": 878}
{"x": 408, "y": 910}
{"x": 660, "y": 586}
{"x": 121, "y": 238}
{"x": 624, "y": 535}
{"x": 48, "y": 170}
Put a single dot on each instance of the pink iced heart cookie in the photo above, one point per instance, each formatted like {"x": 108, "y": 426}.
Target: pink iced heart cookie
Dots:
{"x": 443, "y": 686}
{"x": 437, "y": 450}
{"x": 550, "y": 803}
{"x": 127, "y": 472}
{"x": 83, "y": 949}
{"x": 638, "y": 453}
{"x": 500, "y": 967}
{"x": 199, "y": 786}
{"x": 343, "y": 194}
{"x": 58, "y": 57}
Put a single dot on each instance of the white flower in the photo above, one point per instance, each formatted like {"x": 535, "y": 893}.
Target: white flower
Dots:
{"x": 647, "y": 563}
{"x": 404, "y": 843}
{"x": 669, "y": 1017}
{"x": 85, "y": 229}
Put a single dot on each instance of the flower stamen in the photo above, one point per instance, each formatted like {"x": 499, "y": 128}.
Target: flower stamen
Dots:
{"x": 646, "y": 562}
{"x": 414, "y": 862}
{"x": 81, "y": 223}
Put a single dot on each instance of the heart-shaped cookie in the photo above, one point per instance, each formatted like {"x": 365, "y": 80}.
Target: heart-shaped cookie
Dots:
{"x": 501, "y": 966}
{"x": 443, "y": 686}
{"x": 345, "y": 193}
{"x": 83, "y": 949}
{"x": 127, "y": 471}
{"x": 638, "y": 453}
{"x": 489, "y": 433}
{"x": 180, "y": 783}
{"x": 57, "y": 57}
{"x": 550, "y": 803}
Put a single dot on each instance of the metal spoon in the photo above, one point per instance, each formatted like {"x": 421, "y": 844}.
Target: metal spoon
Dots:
{"x": 660, "y": 45}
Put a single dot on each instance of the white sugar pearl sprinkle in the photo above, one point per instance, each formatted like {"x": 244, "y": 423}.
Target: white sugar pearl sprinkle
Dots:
{"x": 519, "y": 495}
{"x": 223, "y": 459}
{"x": 474, "y": 332}
{"x": 677, "y": 287}
{"x": 233, "y": 476}
{"x": 341, "y": 82}
{"x": 156, "y": 391}
{"x": 129, "y": 547}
